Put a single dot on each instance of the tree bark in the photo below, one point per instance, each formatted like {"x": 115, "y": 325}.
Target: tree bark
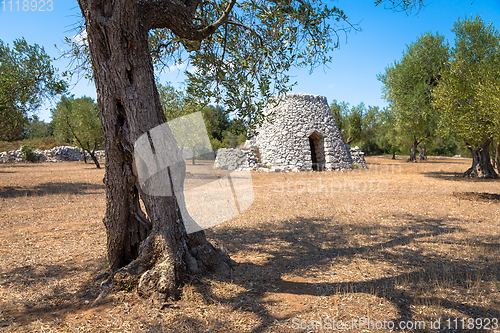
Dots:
{"x": 497, "y": 156}
{"x": 94, "y": 158}
{"x": 92, "y": 154}
{"x": 151, "y": 252}
{"x": 413, "y": 151}
{"x": 393, "y": 152}
{"x": 481, "y": 163}
{"x": 422, "y": 155}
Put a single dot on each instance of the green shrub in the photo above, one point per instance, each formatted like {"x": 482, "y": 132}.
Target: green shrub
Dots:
{"x": 241, "y": 139}
{"x": 28, "y": 154}
{"x": 216, "y": 144}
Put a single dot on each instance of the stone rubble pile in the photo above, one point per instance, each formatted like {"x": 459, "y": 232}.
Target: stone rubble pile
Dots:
{"x": 11, "y": 156}
{"x": 357, "y": 156}
{"x": 62, "y": 153}
{"x": 56, "y": 154}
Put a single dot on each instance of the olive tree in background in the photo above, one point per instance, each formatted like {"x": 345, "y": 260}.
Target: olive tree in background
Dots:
{"x": 468, "y": 96}
{"x": 77, "y": 120}
{"x": 408, "y": 86}
{"x": 27, "y": 78}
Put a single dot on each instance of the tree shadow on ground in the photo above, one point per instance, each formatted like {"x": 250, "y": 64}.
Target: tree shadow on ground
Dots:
{"x": 317, "y": 243}
{"x": 454, "y": 176}
{"x": 441, "y": 161}
{"x": 285, "y": 249}
{"x": 478, "y": 196}
{"x": 50, "y": 189}
{"x": 41, "y": 295}
{"x": 21, "y": 165}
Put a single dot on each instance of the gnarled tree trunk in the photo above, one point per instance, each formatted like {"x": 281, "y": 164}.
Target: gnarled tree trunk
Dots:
{"x": 481, "y": 162}
{"x": 153, "y": 251}
{"x": 413, "y": 151}
{"x": 422, "y": 155}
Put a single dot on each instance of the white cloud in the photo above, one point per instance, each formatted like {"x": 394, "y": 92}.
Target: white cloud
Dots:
{"x": 81, "y": 37}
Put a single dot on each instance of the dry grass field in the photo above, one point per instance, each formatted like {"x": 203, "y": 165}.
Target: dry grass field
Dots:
{"x": 402, "y": 243}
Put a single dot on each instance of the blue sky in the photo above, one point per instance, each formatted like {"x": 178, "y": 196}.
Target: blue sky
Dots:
{"x": 352, "y": 75}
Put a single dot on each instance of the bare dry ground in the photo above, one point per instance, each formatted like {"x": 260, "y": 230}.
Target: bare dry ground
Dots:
{"x": 406, "y": 243}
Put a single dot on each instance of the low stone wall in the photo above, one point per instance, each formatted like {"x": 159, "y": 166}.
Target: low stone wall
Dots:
{"x": 56, "y": 154}
{"x": 234, "y": 159}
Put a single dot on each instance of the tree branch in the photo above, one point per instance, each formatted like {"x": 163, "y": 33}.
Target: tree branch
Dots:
{"x": 157, "y": 49}
{"x": 248, "y": 28}
{"x": 179, "y": 17}
{"x": 207, "y": 31}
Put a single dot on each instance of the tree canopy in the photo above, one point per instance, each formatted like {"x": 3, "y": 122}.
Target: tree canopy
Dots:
{"x": 468, "y": 96}
{"x": 27, "y": 78}
{"x": 239, "y": 53}
{"x": 408, "y": 86}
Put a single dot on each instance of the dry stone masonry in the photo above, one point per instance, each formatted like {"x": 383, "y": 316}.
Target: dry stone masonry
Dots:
{"x": 57, "y": 154}
{"x": 357, "y": 157}
{"x": 300, "y": 135}
{"x": 231, "y": 159}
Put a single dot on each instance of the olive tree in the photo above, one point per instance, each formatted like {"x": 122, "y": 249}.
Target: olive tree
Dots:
{"x": 468, "y": 97}
{"x": 77, "y": 120}
{"x": 27, "y": 78}
{"x": 241, "y": 52}
{"x": 408, "y": 86}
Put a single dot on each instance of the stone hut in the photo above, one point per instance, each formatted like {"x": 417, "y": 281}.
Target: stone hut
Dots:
{"x": 300, "y": 134}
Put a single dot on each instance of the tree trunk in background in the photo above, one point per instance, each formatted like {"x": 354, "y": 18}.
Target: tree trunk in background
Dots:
{"x": 94, "y": 158}
{"x": 393, "y": 152}
{"x": 413, "y": 152}
{"x": 92, "y": 155}
{"x": 422, "y": 156}
{"x": 153, "y": 253}
{"x": 497, "y": 156}
{"x": 481, "y": 162}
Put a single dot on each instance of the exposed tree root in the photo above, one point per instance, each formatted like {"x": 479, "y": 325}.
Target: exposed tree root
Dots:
{"x": 160, "y": 273}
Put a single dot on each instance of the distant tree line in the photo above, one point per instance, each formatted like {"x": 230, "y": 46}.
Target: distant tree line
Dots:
{"x": 441, "y": 102}
{"x": 376, "y": 132}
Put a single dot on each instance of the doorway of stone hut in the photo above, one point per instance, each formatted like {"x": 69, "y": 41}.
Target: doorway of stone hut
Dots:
{"x": 317, "y": 151}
